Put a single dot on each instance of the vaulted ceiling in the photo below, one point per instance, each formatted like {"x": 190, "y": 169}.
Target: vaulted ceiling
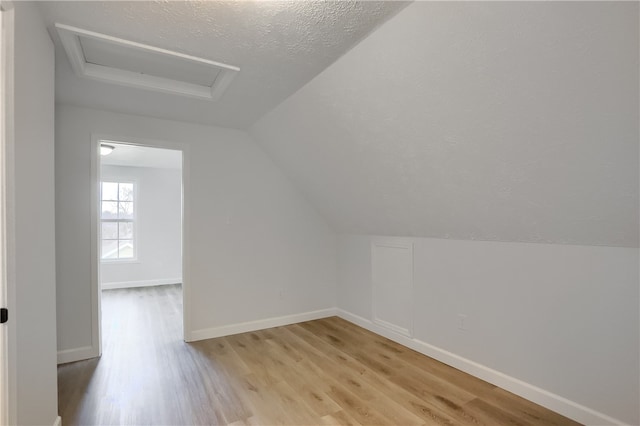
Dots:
{"x": 278, "y": 45}
{"x": 510, "y": 121}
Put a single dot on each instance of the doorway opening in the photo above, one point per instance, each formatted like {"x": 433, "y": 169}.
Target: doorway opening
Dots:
{"x": 139, "y": 243}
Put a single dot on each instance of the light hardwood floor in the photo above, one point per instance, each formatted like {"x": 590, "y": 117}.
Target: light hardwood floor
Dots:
{"x": 322, "y": 372}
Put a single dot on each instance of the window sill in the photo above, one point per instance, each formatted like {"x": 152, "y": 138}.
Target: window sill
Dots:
{"x": 119, "y": 262}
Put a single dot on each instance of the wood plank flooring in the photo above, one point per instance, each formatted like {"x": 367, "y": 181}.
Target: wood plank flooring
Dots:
{"x": 324, "y": 372}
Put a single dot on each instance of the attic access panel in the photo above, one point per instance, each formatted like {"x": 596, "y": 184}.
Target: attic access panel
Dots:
{"x": 114, "y": 60}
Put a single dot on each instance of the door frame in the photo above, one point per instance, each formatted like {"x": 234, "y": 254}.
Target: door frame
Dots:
{"x": 96, "y": 306}
{"x": 8, "y": 379}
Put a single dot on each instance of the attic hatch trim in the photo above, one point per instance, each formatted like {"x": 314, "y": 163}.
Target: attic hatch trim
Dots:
{"x": 70, "y": 38}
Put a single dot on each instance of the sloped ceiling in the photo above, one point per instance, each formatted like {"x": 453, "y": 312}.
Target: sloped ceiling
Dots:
{"x": 511, "y": 121}
{"x": 278, "y": 45}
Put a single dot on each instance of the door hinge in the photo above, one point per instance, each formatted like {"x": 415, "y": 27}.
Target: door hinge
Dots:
{"x": 4, "y": 315}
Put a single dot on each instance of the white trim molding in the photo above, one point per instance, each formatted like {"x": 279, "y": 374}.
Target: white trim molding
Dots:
{"x": 58, "y": 421}
{"x": 8, "y": 356}
{"x": 142, "y": 283}
{"x": 96, "y": 302}
{"x": 244, "y": 327}
{"x": 549, "y": 400}
{"x": 221, "y": 74}
{"x": 77, "y": 354}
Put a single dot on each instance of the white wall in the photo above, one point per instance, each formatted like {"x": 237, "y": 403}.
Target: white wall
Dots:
{"x": 33, "y": 395}
{"x": 252, "y": 236}
{"x": 506, "y": 121}
{"x": 559, "y": 317}
{"x": 494, "y": 121}
{"x": 158, "y": 228}
{"x": 470, "y": 120}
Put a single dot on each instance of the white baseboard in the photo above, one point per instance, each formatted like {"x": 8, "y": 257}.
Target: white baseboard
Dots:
{"x": 243, "y": 327}
{"x": 77, "y": 354}
{"x": 58, "y": 421}
{"x": 143, "y": 283}
{"x": 533, "y": 393}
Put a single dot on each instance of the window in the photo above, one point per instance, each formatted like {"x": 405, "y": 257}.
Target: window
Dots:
{"x": 118, "y": 221}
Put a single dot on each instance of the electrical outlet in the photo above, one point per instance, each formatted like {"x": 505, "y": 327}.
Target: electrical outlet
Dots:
{"x": 462, "y": 322}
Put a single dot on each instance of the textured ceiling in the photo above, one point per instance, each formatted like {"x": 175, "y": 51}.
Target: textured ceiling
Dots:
{"x": 279, "y": 47}
{"x": 511, "y": 121}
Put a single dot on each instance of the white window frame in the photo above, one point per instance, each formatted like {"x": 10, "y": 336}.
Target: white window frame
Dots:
{"x": 133, "y": 220}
